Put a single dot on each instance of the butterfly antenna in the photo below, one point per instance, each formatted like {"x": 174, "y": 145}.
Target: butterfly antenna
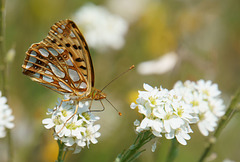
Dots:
{"x": 119, "y": 113}
{"x": 118, "y": 77}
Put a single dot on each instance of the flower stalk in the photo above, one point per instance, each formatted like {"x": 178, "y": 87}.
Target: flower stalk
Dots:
{"x": 61, "y": 152}
{"x": 173, "y": 152}
{"x": 2, "y": 47}
{"x": 232, "y": 109}
{"x": 133, "y": 151}
{"x": 3, "y": 71}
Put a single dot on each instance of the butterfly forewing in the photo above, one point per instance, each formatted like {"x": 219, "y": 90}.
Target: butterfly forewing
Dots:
{"x": 61, "y": 61}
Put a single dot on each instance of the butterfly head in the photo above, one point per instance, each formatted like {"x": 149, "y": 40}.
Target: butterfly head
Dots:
{"x": 98, "y": 94}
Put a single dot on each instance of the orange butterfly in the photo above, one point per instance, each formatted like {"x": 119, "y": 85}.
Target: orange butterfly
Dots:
{"x": 62, "y": 62}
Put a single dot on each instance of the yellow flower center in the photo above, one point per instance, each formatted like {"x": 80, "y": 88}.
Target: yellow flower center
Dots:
{"x": 71, "y": 126}
{"x": 180, "y": 111}
{"x": 57, "y": 120}
{"x": 195, "y": 103}
{"x": 153, "y": 100}
{"x": 206, "y": 92}
{"x": 64, "y": 112}
{"x": 86, "y": 115}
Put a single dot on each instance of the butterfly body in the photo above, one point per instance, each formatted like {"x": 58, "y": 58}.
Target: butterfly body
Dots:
{"x": 62, "y": 63}
{"x": 95, "y": 94}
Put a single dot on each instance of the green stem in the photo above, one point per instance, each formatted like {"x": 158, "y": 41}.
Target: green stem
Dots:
{"x": 2, "y": 47}
{"x": 133, "y": 152}
{"x": 3, "y": 71}
{"x": 61, "y": 152}
{"x": 232, "y": 109}
{"x": 10, "y": 146}
{"x": 173, "y": 152}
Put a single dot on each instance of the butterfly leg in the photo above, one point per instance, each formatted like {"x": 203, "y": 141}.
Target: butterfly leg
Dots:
{"x": 98, "y": 110}
{"x": 102, "y": 106}
{"x": 90, "y": 104}
{"x": 61, "y": 103}
{"x": 75, "y": 112}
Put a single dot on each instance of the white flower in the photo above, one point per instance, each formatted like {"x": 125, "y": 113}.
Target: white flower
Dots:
{"x": 207, "y": 88}
{"x": 102, "y": 29}
{"x": 136, "y": 122}
{"x": 90, "y": 134}
{"x": 181, "y": 134}
{"x": 154, "y": 146}
{"x": 6, "y": 116}
{"x": 75, "y": 130}
{"x": 164, "y": 112}
{"x": 133, "y": 9}
{"x": 228, "y": 160}
{"x": 161, "y": 65}
{"x": 205, "y": 101}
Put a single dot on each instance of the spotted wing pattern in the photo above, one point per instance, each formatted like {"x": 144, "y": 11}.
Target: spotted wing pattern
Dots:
{"x": 61, "y": 61}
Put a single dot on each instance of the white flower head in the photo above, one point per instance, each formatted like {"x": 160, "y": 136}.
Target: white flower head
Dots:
{"x": 164, "y": 112}
{"x": 159, "y": 66}
{"x": 102, "y": 29}
{"x": 205, "y": 101}
{"x": 75, "y": 129}
{"x": 6, "y": 117}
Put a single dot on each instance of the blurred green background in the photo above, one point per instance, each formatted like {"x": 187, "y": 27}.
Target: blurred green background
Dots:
{"x": 205, "y": 35}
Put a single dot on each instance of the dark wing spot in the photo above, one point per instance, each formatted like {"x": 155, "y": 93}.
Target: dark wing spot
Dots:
{"x": 73, "y": 25}
{"x": 53, "y": 41}
{"x": 82, "y": 38}
{"x": 70, "y": 54}
{"x": 67, "y": 44}
{"x": 79, "y": 47}
{"x": 79, "y": 59}
{"x": 59, "y": 45}
{"x": 74, "y": 46}
{"x": 82, "y": 67}
{"x": 86, "y": 47}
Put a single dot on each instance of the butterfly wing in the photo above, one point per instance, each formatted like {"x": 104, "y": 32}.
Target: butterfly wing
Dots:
{"x": 62, "y": 61}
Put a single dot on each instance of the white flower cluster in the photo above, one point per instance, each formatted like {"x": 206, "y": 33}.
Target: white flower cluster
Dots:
{"x": 164, "y": 112}
{"x": 172, "y": 112}
{"x": 78, "y": 129}
{"x": 6, "y": 116}
{"x": 102, "y": 29}
{"x": 205, "y": 100}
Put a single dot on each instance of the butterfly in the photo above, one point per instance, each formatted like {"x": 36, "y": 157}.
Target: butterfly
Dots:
{"x": 62, "y": 63}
